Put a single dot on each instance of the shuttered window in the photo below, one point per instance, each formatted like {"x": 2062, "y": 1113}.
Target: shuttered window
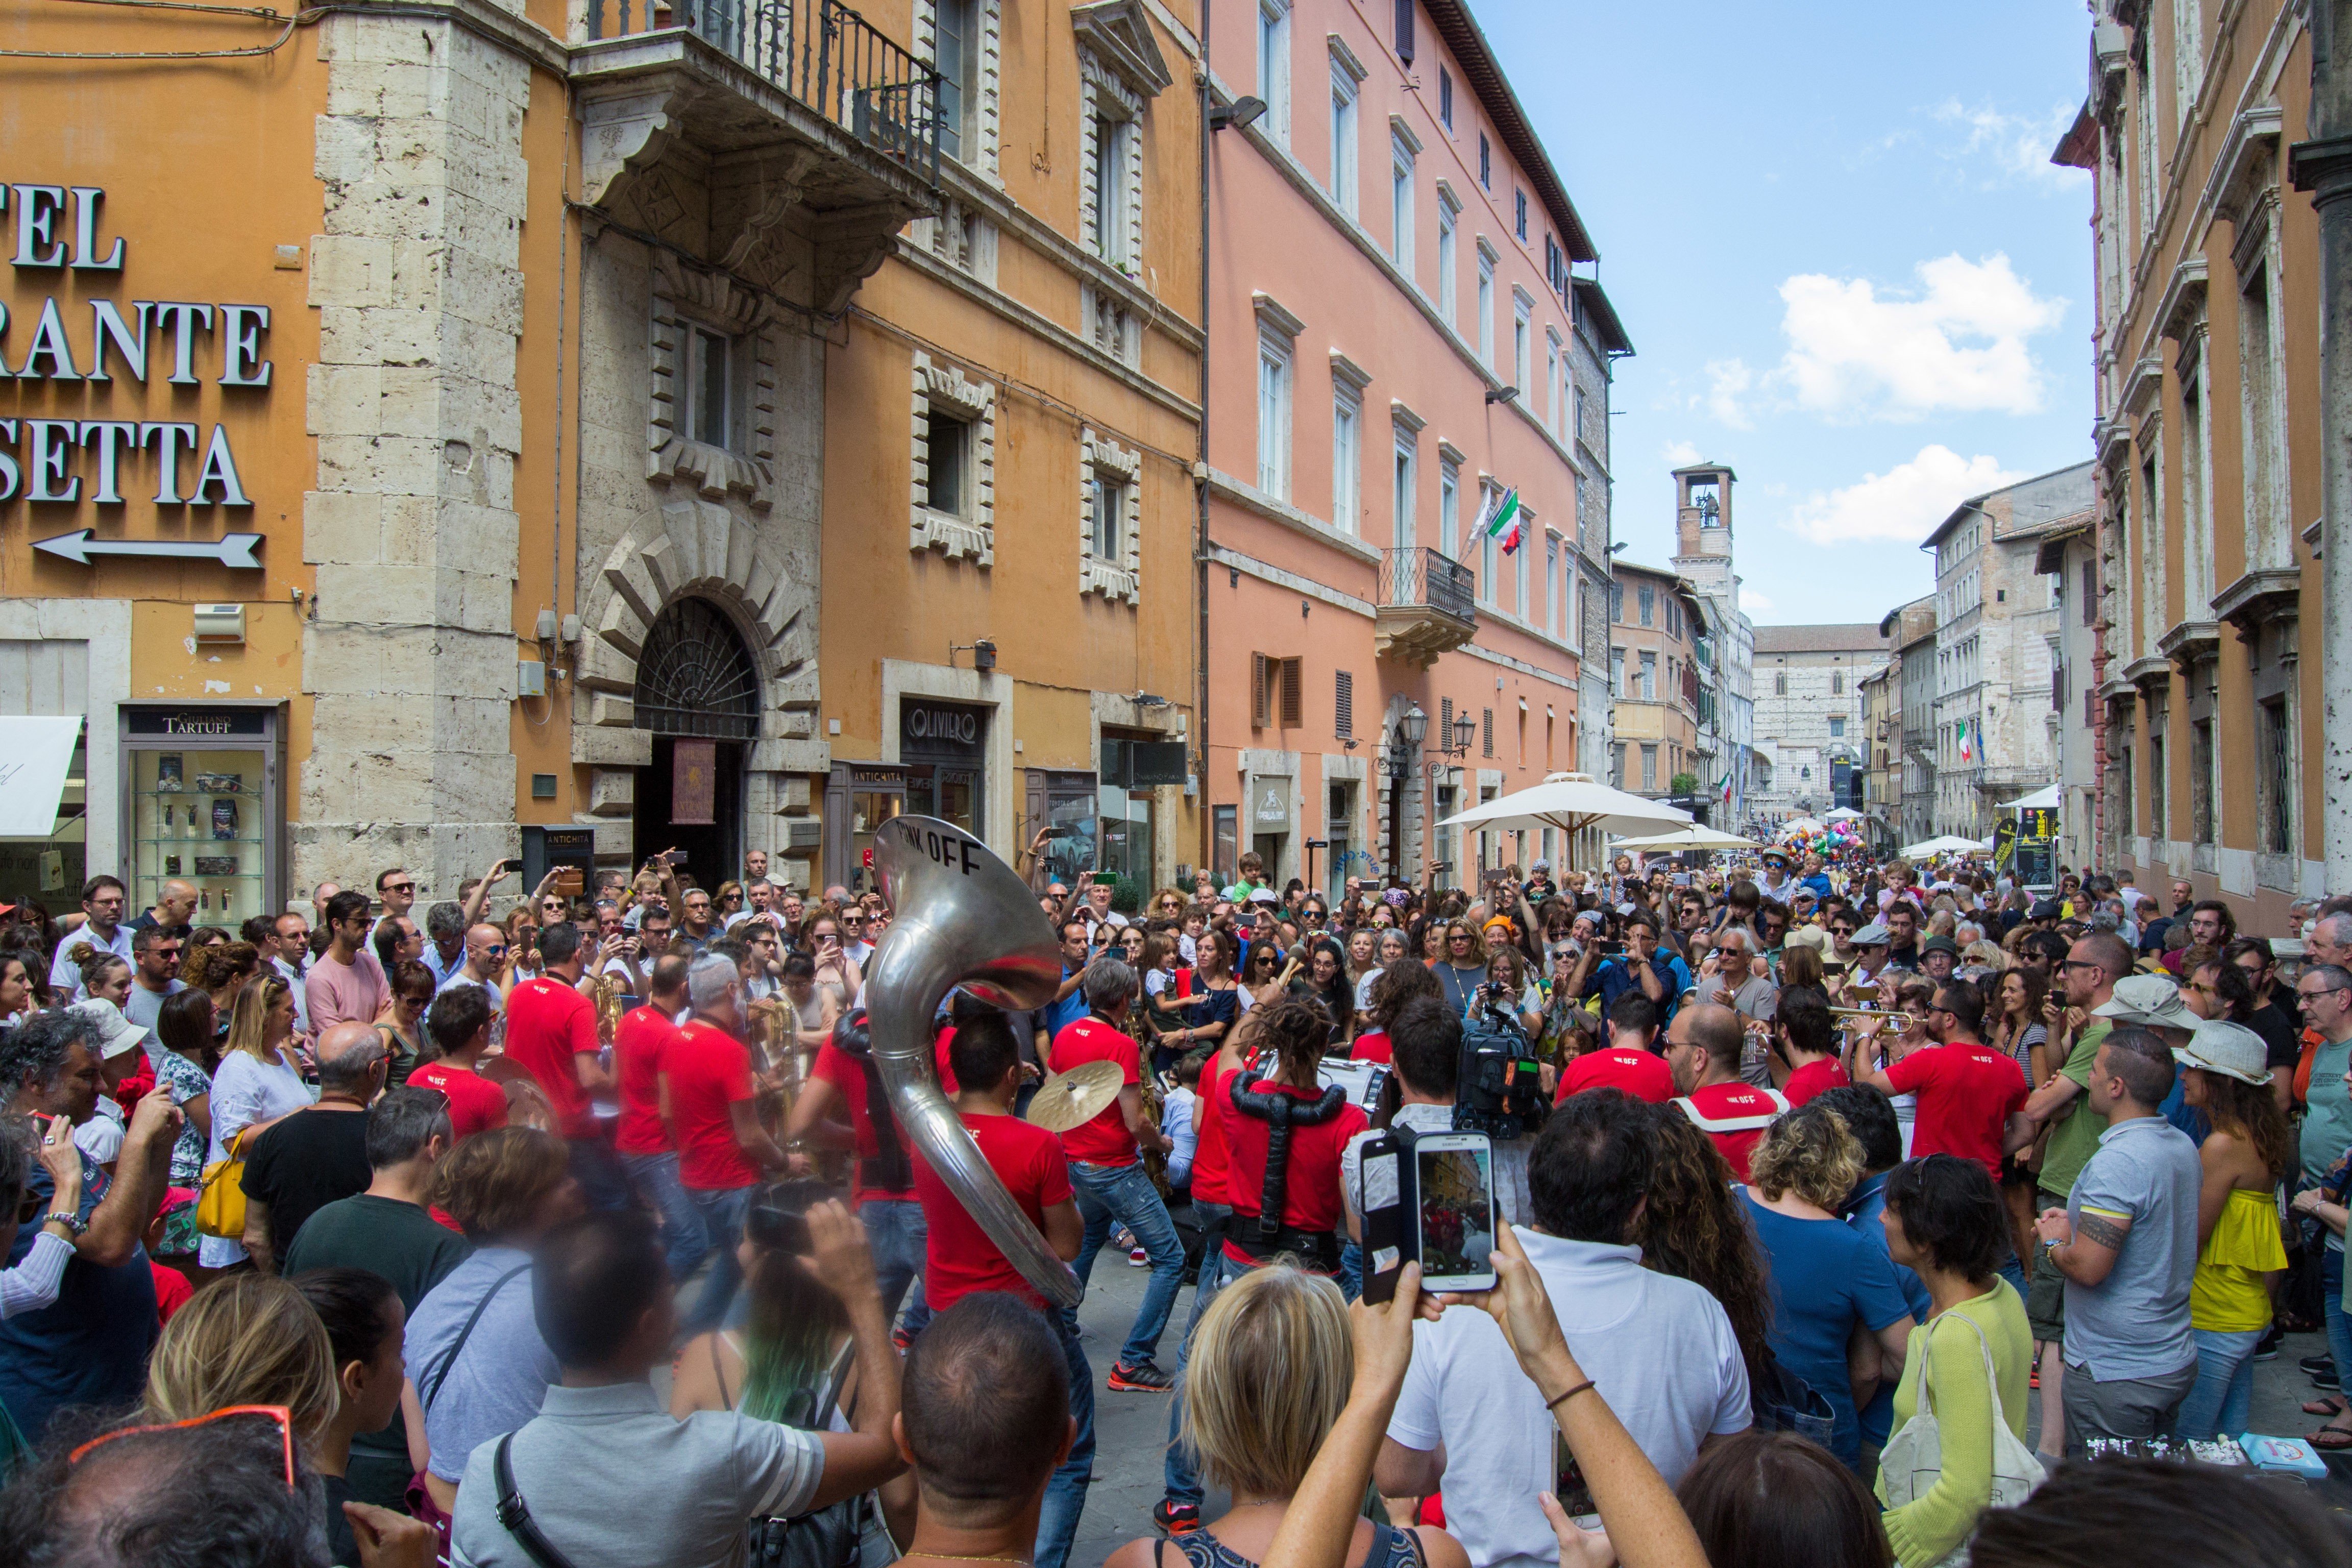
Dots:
{"x": 1343, "y": 704}
{"x": 1487, "y": 733}
{"x": 1290, "y": 695}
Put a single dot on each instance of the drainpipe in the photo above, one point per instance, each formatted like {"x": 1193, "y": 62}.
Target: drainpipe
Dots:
{"x": 1205, "y": 816}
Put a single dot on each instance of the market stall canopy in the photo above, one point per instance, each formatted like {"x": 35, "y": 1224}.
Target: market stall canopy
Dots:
{"x": 2040, "y": 800}
{"x": 1842, "y": 813}
{"x": 1949, "y": 844}
{"x": 36, "y": 755}
{"x": 1803, "y": 825}
{"x": 1695, "y": 837}
{"x": 1571, "y": 803}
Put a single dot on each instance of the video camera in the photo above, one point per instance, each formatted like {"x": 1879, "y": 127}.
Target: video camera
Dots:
{"x": 1499, "y": 1089}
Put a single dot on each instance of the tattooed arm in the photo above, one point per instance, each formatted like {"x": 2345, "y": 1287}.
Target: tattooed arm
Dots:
{"x": 2085, "y": 1252}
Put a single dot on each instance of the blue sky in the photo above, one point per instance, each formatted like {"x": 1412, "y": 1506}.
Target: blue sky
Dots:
{"x": 1833, "y": 235}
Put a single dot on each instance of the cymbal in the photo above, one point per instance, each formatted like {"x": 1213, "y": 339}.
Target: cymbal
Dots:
{"x": 1075, "y": 1098}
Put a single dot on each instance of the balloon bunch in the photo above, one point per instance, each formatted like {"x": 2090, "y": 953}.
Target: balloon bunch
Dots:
{"x": 1831, "y": 839}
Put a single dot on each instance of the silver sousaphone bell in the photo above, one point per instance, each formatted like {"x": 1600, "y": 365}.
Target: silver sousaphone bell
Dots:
{"x": 958, "y": 916}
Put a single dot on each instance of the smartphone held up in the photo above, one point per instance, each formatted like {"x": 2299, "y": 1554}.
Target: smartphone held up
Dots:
{"x": 1428, "y": 1196}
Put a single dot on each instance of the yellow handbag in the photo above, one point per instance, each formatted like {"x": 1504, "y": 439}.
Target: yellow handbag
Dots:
{"x": 220, "y": 1203}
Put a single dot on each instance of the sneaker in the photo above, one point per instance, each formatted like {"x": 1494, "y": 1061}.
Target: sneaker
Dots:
{"x": 901, "y": 1338}
{"x": 1144, "y": 1378}
{"x": 1175, "y": 1518}
{"x": 2267, "y": 1348}
{"x": 1138, "y": 1258}
{"x": 2315, "y": 1365}
{"x": 2326, "y": 1380}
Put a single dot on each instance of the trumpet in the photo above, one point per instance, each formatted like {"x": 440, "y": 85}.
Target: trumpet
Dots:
{"x": 1901, "y": 1021}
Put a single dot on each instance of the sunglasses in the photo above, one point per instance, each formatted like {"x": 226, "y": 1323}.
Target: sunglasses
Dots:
{"x": 498, "y": 951}
{"x": 400, "y": 887}
{"x": 277, "y": 1413}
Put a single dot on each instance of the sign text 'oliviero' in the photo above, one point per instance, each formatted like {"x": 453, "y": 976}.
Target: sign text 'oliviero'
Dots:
{"x": 55, "y": 229}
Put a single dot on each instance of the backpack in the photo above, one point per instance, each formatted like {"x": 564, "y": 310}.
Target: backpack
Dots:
{"x": 1499, "y": 1086}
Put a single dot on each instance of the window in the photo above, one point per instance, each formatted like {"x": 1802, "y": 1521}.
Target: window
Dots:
{"x": 1649, "y": 690}
{"x": 1343, "y": 704}
{"x": 1444, "y": 98}
{"x": 953, "y": 453}
{"x": 1400, "y": 219}
{"x": 1487, "y": 734}
{"x": 948, "y": 488}
{"x": 1551, "y": 578}
{"x": 1448, "y": 219}
{"x": 1648, "y": 598}
{"x": 2090, "y": 594}
{"x": 2258, "y": 391}
{"x": 1449, "y": 507}
{"x": 1837, "y": 728}
{"x": 1273, "y": 417}
{"x": 1579, "y": 414}
{"x": 1519, "y": 220}
{"x": 1837, "y": 683}
{"x": 2275, "y": 778}
{"x": 1273, "y": 67}
{"x": 1617, "y": 765}
{"x": 1403, "y": 478}
{"x": 1780, "y": 684}
{"x": 1347, "y": 457}
{"x": 1521, "y": 309}
{"x": 1106, "y": 181}
{"x": 709, "y": 385}
{"x": 1555, "y": 409}
{"x": 1649, "y": 767}
{"x": 1343, "y": 138}
{"x": 1617, "y": 603}
{"x": 1486, "y": 306}
{"x": 1105, "y": 520}
{"x": 1485, "y": 162}
{"x": 1616, "y": 672}
{"x": 2157, "y": 822}
{"x": 1273, "y": 691}
{"x": 1674, "y": 620}
{"x": 2200, "y": 780}
{"x": 955, "y": 54}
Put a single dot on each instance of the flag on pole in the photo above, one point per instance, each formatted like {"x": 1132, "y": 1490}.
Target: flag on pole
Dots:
{"x": 1726, "y": 788}
{"x": 1502, "y": 521}
{"x": 1967, "y": 747}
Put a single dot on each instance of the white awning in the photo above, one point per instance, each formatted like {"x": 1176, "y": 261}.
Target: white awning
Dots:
{"x": 35, "y": 754}
{"x": 2044, "y": 799}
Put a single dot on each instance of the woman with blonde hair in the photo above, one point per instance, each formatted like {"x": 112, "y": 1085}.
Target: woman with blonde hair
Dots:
{"x": 248, "y": 1339}
{"x": 258, "y": 1084}
{"x": 1826, "y": 1275}
{"x": 1273, "y": 1362}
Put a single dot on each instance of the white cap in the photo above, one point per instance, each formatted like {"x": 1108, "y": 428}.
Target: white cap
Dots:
{"x": 116, "y": 1034}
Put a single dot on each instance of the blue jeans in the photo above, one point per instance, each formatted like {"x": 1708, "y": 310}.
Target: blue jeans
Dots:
{"x": 1352, "y": 1271}
{"x": 603, "y": 1183}
{"x": 2339, "y": 1327}
{"x": 1065, "y": 1488}
{"x": 1122, "y": 1195}
{"x": 2225, "y": 1383}
{"x": 655, "y": 1177}
{"x": 899, "y": 1239}
{"x": 723, "y": 1213}
{"x": 1179, "y": 1479}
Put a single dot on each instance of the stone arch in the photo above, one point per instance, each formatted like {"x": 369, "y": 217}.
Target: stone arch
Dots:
{"x": 701, "y": 549}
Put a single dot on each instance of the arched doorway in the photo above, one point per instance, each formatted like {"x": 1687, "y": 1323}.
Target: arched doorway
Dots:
{"x": 699, "y": 692}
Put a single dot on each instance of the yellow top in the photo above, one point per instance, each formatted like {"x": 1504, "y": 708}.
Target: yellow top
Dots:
{"x": 2227, "y": 1294}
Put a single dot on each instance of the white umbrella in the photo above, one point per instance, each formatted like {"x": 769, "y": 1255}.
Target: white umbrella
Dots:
{"x": 1949, "y": 843}
{"x": 1842, "y": 813}
{"x": 1695, "y": 837}
{"x": 1571, "y": 803}
{"x": 1803, "y": 825}
{"x": 2045, "y": 799}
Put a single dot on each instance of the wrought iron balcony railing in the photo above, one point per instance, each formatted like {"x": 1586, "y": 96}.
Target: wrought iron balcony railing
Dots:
{"x": 1412, "y": 575}
{"x": 818, "y": 51}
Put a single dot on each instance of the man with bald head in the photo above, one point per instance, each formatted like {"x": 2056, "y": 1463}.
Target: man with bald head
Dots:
{"x": 175, "y": 901}
{"x": 485, "y": 952}
{"x": 1703, "y": 1046}
{"x": 317, "y": 1155}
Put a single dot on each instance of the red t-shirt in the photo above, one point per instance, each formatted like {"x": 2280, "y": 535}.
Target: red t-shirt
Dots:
{"x": 476, "y": 1104}
{"x": 1209, "y": 1157}
{"x": 1106, "y": 1140}
{"x": 961, "y": 1257}
{"x": 1310, "y": 1195}
{"x": 1966, "y": 1094}
{"x": 708, "y": 1070}
{"x": 946, "y": 1073}
{"x": 639, "y": 1045}
{"x": 1642, "y": 1074}
{"x": 172, "y": 1290}
{"x": 847, "y": 1076}
{"x": 1735, "y": 1116}
{"x": 1372, "y": 1047}
{"x": 1814, "y": 1078}
{"x": 548, "y": 1024}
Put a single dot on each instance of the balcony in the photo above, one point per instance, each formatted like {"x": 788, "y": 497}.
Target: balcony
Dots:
{"x": 787, "y": 141}
{"x": 1428, "y": 606}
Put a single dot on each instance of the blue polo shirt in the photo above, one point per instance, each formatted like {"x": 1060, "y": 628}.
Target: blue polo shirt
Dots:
{"x": 1069, "y": 1009}
{"x": 1617, "y": 977}
{"x": 89, "y": 1346}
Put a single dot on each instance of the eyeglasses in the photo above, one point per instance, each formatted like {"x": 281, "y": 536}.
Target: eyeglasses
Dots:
{"x": 399, "y": 887}
{"x": 277, "y": 1413}
{"x": 2078, "y": 964}
{"x": 2302, "y": 995}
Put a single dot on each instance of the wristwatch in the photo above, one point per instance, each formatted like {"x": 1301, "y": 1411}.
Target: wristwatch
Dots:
{"x": 72, "y": 1221}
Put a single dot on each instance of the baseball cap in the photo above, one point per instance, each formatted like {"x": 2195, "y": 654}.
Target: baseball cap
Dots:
{"x": 1874, "y": 934}
{"x": 116, "y": 1034}
{"x": 2147, "y": 999}
{"x": 1938, "y": 944}
{"x": 2230, "y": 1049}
{"x": 1264, "y": 896}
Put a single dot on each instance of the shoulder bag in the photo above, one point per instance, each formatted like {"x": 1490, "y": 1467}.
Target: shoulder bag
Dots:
{"x": 419, "y": 1496}
{"x": 845, "y": 1535}
{"x": 514, "y": 1514}
{"x": 220, "y": 1203}
{"x": 1912, "y": 1460}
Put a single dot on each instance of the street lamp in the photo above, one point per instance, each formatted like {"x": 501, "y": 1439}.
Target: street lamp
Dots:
{"x": 1466, "y": 730}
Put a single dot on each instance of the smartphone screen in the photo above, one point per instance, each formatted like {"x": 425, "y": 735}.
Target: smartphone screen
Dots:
{"x": 1454, "y": 1183}
{"x": 1569, "y": 1484}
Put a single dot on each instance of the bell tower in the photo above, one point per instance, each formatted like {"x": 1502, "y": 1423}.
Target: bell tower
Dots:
{"x": 1702, "y": 530}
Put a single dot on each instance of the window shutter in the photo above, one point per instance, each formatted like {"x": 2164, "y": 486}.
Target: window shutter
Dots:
{"x": 2090, "y": 593}
{"x": 1289, "y": 671}
{"x": 1343, "y": 704}
{"x": 1404, "y": 30}
{"x": 1259, "y": 688}
{"x": 1488, "y": 746}
{"x": 1445, "y": 721}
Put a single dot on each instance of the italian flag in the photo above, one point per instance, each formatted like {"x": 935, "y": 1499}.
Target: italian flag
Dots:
{"x": 1501, "y": 520}
{"x": 1967, "y": 747}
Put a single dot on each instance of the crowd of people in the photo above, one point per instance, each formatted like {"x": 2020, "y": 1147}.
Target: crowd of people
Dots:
{"x": 1868, "y": 1214}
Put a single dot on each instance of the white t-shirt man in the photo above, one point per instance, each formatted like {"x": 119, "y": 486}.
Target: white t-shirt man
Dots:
{"x": 1660, "y": 1348}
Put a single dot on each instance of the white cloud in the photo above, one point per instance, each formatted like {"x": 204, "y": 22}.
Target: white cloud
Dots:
{"x": 1902, "y": 504}
{"x": 2017, "y": 146}
{"x": 1959, "y": 344}
{"x": 1752, "y": 601}
{"x": 1726, "y": 381}
{"x": 1679, "y": 454}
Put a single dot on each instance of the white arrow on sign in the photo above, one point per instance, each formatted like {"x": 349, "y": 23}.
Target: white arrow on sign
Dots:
{"x": 231, "y": 549}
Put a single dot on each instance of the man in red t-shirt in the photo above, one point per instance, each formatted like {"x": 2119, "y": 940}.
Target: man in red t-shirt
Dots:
{"x": 985, "y": 1056}
{"x": 1628, "y": 1062}
{"x": 1804, "y": 1037}
{"x": 551, "y": 1034}
{"x": 1967, "y": 1091}
{"x": 721, "y": 1147}
{"x": 459, "y": 1023}
{"x": 641, "y": 1046}
{"x": 1112, "y": 1186}
{"x": 1703, "y": 1046}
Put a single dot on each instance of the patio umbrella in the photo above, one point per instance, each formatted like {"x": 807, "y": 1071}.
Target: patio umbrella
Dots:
{"x": 1571, "y": 803}
{"x": 1949, "y": 843}
{"x": 1803, "y": 825}
{"x": 1842, "y": 813}
{"x": 1695, "y": 837}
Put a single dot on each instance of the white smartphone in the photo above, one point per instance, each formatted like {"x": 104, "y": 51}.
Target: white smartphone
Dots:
{"x": 1455, "y": 1184}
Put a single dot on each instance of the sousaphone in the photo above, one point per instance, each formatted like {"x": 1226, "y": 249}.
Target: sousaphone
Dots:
{"x": 959, "y": 918}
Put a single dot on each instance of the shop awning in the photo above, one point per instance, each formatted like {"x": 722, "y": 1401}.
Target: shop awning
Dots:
{"x": 35, "y": 754}
{"x": 2040, "y": 800}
